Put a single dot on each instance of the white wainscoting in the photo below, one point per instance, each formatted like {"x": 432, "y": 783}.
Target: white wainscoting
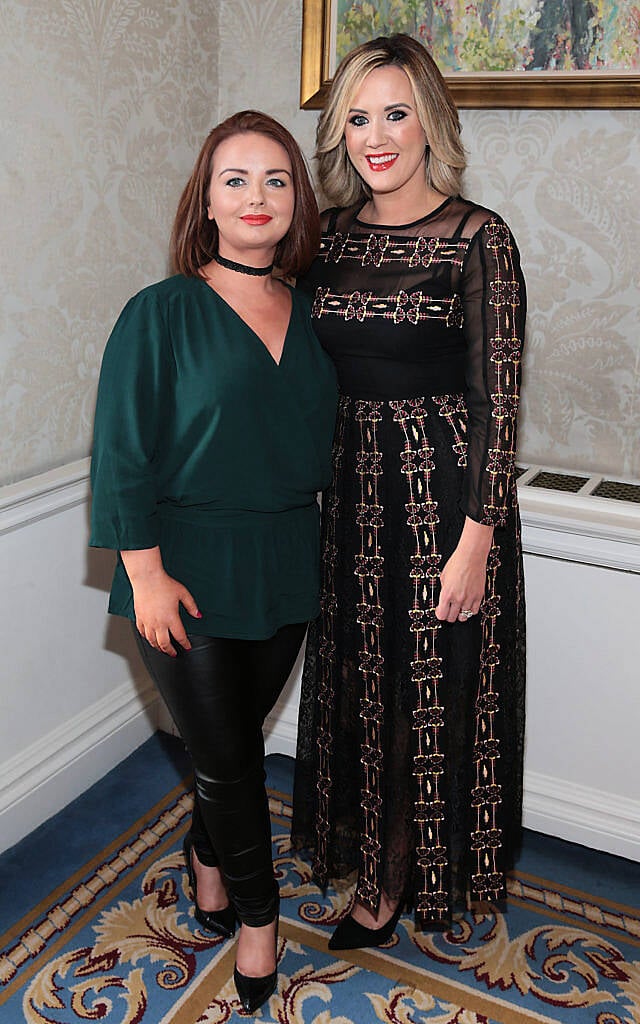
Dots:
{"x": 75, "y": 700}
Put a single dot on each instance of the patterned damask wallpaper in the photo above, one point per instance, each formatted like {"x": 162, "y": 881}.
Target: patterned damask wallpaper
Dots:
{"x": 566, "y": 181}
{"x": 105, "y": 104}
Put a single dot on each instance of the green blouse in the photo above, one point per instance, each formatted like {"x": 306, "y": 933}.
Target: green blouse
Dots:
{"x": 207, "y": 447}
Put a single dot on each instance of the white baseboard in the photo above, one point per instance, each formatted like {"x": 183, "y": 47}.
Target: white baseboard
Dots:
{"x": 50, "y": 773}
{"x": 591, "y": 817}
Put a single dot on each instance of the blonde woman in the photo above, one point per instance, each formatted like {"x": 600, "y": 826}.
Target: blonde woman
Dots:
{"x": 409, "y": 764}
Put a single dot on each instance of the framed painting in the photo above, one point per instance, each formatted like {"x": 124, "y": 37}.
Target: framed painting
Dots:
{"x": 493, "y": 53}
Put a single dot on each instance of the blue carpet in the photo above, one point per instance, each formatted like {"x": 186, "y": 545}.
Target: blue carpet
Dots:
{"x": 32, "y": 868}
{"x": 99, "y": 926}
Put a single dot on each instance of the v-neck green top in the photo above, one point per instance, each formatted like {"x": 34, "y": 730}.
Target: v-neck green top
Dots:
{"x": 207, "y": 447}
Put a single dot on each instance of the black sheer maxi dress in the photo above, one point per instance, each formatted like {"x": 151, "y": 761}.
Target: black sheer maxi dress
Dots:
{"x": 411, "y": 731}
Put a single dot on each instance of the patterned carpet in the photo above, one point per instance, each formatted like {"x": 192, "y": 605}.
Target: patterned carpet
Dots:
{"x": 110, "y": 936}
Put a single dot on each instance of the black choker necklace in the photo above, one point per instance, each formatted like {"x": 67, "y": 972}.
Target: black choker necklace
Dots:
{"x": 241, "y": 268}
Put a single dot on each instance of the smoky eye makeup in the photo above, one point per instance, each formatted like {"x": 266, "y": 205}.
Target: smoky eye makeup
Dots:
{"x": 357, "y": 119}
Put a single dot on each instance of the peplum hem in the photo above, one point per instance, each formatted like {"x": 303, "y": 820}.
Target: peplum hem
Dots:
{"x": 266, "y": 567}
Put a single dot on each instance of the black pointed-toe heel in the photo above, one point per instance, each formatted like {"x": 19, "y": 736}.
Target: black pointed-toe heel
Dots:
{"x": 351, "y": 935}
{"x": 254, "y": 992}
{"x": 221, "y": 922}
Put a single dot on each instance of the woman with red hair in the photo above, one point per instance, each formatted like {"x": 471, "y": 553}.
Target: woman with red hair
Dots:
{"x": 213, "y": 431}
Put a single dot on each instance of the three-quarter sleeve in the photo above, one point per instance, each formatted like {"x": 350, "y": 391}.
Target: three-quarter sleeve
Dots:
{"x": 133, "y": 397}
{"x": 494, "y": 303}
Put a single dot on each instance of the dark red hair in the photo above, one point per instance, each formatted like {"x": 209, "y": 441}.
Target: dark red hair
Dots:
{"x": 194, "y": 238}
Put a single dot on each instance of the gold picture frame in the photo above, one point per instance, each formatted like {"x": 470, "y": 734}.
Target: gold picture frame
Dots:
{"x": 551, "y": 89}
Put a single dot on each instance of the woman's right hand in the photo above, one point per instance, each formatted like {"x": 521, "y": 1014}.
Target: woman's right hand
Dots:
{"x": 156, "y": 599}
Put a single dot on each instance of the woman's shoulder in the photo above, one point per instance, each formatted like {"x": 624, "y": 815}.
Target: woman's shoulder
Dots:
{"x": 166, "y": 289}
{"x": 338, "y": 218}
{"x": 328, "y": 218}
{"x": 161, "y": 296}
{"x": 482, "y": 227}
{"x": 149, "y": 311}
{"x": 474, "y": 217}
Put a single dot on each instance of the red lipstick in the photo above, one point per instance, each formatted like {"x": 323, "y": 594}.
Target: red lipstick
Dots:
{"x": 256, "y": 219}
{"x": 381, "y": 161}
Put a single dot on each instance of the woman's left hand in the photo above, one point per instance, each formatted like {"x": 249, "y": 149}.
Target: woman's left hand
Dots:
{"x": 462, "y": 580}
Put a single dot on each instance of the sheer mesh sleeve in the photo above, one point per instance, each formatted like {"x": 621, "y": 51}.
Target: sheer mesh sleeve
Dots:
{"x": 494, "y": 302}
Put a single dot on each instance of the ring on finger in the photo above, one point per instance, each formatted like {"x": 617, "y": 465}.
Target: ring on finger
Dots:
{"x": 465, "y": 613}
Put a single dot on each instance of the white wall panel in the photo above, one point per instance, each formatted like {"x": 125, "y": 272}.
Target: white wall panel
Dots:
{"x": 74, "y": 698}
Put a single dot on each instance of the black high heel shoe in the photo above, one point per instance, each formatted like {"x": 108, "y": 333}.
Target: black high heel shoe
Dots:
{"x": 254, "y": 992}
{"x": 221, "y": 922}
{"x": 351, "y": 935}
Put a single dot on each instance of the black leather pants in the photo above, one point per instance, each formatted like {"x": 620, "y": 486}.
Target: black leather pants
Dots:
{"x": 219, "y": 694}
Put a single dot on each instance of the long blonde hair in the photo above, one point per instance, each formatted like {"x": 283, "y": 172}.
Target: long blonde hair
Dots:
{"x": 435, "y": 108}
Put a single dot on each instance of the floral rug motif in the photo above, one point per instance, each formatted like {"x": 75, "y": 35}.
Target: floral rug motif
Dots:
{"x": 117, "y": 942}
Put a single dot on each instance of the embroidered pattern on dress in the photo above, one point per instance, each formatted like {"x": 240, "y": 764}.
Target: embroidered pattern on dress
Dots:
{"x": 414, "y": 307}
{"x": 432, "y": 899}
{"x": 505, "y": 348}
{"x": 369, "y": 569}
{"x": 453, "y": 409}
{"x": 375, "y": 249}
{"x": 327, "y": 648}
{"x": 487, "y": 881}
